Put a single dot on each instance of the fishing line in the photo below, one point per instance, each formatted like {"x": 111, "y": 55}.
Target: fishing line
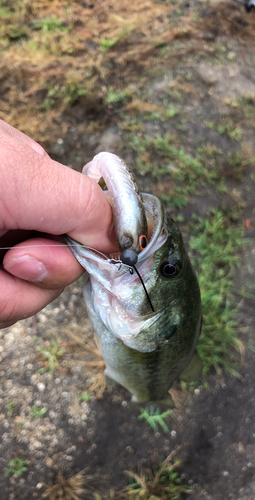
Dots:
{"x": 112, "y": 260}
{"x": 144, "y": 287}
{"x": 58, "y": 245}
{"x": 89, "y": 248}
{"x": 36, "y": 246}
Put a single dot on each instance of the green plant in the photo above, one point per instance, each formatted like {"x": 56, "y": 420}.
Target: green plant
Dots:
{"x": 10, "y": 406}
{"x": 114, "y": 97}
{"x": 226, "y": 127}
{"x": 16, "y": 32}
{"x": 172, "y": 111}
{"x": 38, "y": 412}
{"x": 49, "y": 25}
{"x": 167, "y": 162}
{"x": 164, "y": 484}
{"x": 154, "y": 417}
{"x": 67, "y": 93}
{"x": 245, "y": 105}
{"x": 108, "y": 43}
{"x": 216, "y": 243}
{"x": 73, "y": 91}
{"x": 16, "y": 467}
{"x": 50, "y": 354}
{"x": 85, "y": 396}
{"x": 4, "y": 12}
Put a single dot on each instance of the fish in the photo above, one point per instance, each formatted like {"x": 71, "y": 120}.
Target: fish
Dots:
{"x": 146, "y": 314}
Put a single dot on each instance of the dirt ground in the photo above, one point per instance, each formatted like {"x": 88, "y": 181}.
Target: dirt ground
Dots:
{"x": 213, "y": 428}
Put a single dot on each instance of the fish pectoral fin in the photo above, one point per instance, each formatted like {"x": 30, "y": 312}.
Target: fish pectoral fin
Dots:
{"x": 167, "y": 401}
{"x": 193, "y": 370}
{"x": 134, "y": 400}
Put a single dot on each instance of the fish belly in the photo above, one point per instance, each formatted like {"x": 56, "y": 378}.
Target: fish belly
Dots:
{"x": 147, "y": 376}
{"x": 120, "y": 368}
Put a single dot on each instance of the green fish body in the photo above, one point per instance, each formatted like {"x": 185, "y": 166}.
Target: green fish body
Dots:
{"x": 145, "y": 350}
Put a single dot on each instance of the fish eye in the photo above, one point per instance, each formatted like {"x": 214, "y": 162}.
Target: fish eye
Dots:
{"x": 143, "y": 241}
{"x": 170, "y": 268}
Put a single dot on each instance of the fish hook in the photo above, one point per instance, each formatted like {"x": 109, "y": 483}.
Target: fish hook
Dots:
{"x": 130, "y": 257}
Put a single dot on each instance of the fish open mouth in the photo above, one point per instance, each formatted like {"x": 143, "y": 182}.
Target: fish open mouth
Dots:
{"x": 157, "y": 235}
{"x": 157, "y": 232}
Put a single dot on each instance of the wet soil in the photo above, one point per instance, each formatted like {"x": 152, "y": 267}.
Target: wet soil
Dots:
{"x": 212, "y": 429}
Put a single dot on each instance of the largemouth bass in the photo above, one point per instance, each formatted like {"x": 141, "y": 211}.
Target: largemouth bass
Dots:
{"x": 147, "y": 341}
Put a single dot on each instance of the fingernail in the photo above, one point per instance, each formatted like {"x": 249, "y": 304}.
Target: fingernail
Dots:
{"x": 26, "y": 268}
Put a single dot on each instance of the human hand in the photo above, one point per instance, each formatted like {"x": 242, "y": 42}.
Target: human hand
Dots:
{"x": 39, "y": 195}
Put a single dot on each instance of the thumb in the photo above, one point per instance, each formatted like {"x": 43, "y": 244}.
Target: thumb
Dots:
{"x": 38, "y": 193}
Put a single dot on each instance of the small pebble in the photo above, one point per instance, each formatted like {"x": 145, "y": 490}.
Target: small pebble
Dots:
{"x": 41, "y": 387}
